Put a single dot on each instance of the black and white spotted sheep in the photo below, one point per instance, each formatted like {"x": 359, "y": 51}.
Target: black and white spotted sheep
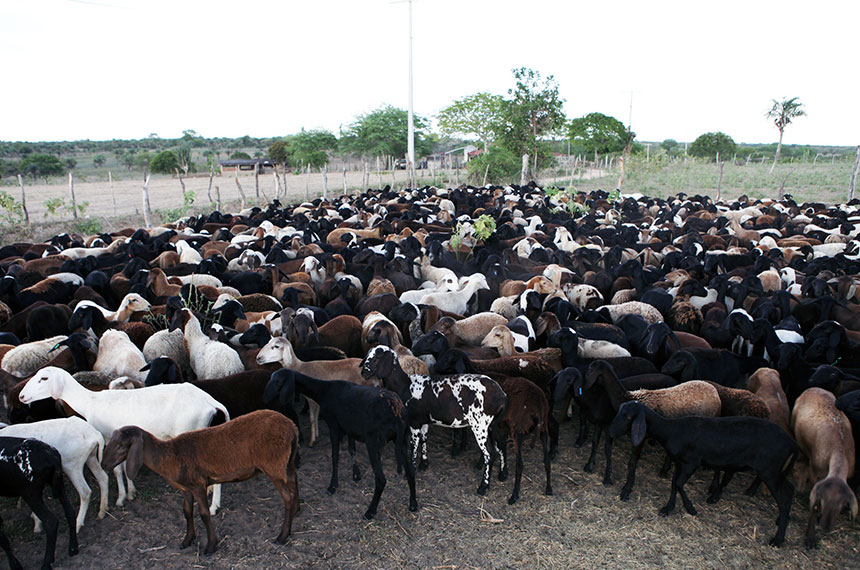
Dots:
{"x": 454, "y": 401}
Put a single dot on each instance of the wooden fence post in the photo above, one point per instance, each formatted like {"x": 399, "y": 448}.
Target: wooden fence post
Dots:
{"x": 112, "y": 193}
{"x": 147, "y": 214}
{"x": 24, "y": 200}
{"x": 720, "y": 181}
{"x": 239, "y": 186}
{"x": 325, "y": 181}
{"x": 524, "y": 171}
{"x": 72, "y": 192}
{"x": 218, "y": 197}
{"x": 257, "y": 178}
{"x": 344, "y": 179}
{"x": 209, "y": 188}
{"x": 853, "y": 181}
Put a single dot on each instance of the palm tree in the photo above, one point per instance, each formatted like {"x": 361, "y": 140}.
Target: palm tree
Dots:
{"x": 782, "y": 113}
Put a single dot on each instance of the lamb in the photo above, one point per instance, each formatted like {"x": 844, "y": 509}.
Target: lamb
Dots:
{"x": 455, "y": 401}
{"x": 26, "y": 467}
{"x": 472, "y": 330}
{"x": 730, "y": 444}
{"x": 25, "y": 359}
{"x": 501, "y": 338}
{"x": 824, "y": 436}
{"x": 118, "y": 356}
{"x": 263, "y": 441}
{"x": 170, "y": 344}
{"x": 363, "y": 413}
{"x": 163, "y": 410}
{"x": 280, "y": 350}
{"x": 78, "y": 443}
{"x": 208, "y": 358}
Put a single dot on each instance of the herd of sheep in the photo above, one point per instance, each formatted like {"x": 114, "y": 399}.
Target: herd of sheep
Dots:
{"x": 724, "y": 331}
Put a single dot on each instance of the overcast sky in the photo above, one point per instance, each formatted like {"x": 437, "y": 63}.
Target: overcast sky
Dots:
{"x": 103, "y": 69}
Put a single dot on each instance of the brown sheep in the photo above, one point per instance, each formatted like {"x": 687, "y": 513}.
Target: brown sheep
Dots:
{"x": 263, "y": 441}
{"x": 765, "y": 384}
{"x": 823, "y": 434}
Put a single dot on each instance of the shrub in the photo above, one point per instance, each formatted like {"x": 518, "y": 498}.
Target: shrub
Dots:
{"x": 165, "y": 162}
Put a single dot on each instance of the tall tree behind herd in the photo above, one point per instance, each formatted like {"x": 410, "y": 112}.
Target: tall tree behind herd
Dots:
{"x": 782, "y": 113}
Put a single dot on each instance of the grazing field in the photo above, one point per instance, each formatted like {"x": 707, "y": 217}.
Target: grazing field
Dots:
{"x": 583, "y": 525}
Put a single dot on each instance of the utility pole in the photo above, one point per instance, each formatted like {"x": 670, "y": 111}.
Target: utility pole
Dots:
{"x": 410, "y": 142}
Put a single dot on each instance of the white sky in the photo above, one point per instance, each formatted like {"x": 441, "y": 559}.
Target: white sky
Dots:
{"x": 103, "y": 69}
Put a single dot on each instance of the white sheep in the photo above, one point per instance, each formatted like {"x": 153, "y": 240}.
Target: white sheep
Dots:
{"x": 583, "y": 296}
{"x": 506, "y": 307}
{"x": 118, "y": 356}
{"x": 646, "y": 311}
{"x": 79, "y": 444}
{"x": 170, "y": 344}
{"x": 165, "y": 410}
{"x": 457, "y": 301}
{"x": 208, "y": 358}
{"x": 25, "y": 359}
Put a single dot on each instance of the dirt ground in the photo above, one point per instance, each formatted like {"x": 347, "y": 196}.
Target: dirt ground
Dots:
{"x": 583, "y": 525}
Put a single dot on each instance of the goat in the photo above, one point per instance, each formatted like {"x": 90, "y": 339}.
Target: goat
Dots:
{"x": 263, "y": 441}
{"x": 363, "y": 413}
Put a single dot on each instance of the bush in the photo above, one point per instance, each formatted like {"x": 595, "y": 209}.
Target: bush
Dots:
{"x": 239, "y": 155}
{"x": 165, "y": 162}
{"x": 504, "y": 166}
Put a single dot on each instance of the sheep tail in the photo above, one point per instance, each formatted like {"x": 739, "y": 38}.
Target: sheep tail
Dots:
{"x": 789, "y": 464}
{"x": 221, "y": 415}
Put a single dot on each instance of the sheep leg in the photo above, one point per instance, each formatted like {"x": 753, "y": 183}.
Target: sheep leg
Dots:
{"x": 76, "y": 476}
{"x": 216, "y": 498}
{"x": 667, "y": 464}
{"x": 753, "y": 488}
{"x": 583, "y": 431}
{"x": 553, "y": 436}
{"x": 103, "y": 481}
{"x": 373, "y": 451}
{"x": 334, "y": 434}
{"x": 188, "y": 511}
{"x": 717, "y": 486}
{"x": 350, "y": 445}
{"x": 502, "y": 449}
{"x": 60, "y": 494}
{"x": 290, "y": 500}
{"x": 670, "y": 506}
{"x": 314, "y": 415}
{"x": 7, "y": 548}
{"x": 595, "y": 441}
{"x": 132, "y": 490}
{"x": 518, "y": 474}
{"x": 458, "y": 442}
{"x": 120, "y": 484}
{"x": 607, "y": 450}
{"x": 203, "y": 509}
{"x": 419, "y": 443}
{"x": 783, "y": 492}
{"x": 403, "y": 458}
{"x": 631, "y": 471}
{"x": 547, "y": 457}
{"x": 481, "y": 429}
{"x": 35, "y": 502}
{"x": 680, "y": 479}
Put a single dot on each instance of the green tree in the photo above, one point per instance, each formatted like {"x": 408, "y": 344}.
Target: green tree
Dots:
{"x": 42, "y": 165}
{"x": 279, "y": 152}
{"x": 503, "y": 166}
{"x": 99, "y": 160}
{"x": 670, "y": 146}
{"x": 309, "y": 147}
{"x": 165, "y": 162}
{"x": 383, "y": 132}
{"x": 192, "y": 138}
{"x": 127, "y": 159}
{"x": 782, "y": 113}
{"x": 479, "y": 115}
{"x": 599, "y": 133}
{"x": 240, "y": 155}
{"x": 142, "y": 160}
{"x": 709, "y": 144}
{"x": 183, "y": 157}
{"x": 70, "y": 163}
{"x": 533, "y": 111}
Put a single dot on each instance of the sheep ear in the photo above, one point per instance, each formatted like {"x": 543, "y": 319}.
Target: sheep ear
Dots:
{"x": 590, "y": 380}
{"x": 852, "y": 498}
{"x": 637, "y": 431}
{"x": 134, "y": 459}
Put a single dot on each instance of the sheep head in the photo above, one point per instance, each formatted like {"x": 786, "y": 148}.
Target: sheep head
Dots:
{"x": 278, "y": 349}
{"x": 126, "y": 444}
{"x": 630, "y": 417}
{"x": 829, "y": 496}
{"x": 46, "y": 383}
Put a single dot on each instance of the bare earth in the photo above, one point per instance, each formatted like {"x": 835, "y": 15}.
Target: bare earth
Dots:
{"x": 583, "y": 525}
